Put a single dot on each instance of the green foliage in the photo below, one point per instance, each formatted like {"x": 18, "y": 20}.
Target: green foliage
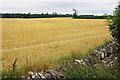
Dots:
{"x": 114, "y": 24}
{"x": 89, "y": 72}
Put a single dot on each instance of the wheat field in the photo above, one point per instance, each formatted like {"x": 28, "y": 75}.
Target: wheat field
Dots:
{"x": 37, "y": 43}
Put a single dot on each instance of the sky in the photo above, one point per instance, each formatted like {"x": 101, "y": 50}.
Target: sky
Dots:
{"x": 93, "y": 7}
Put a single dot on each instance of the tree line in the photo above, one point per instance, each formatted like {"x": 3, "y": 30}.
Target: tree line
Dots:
{"x": 46, "y": 15}
{"x": 24, "y": 15}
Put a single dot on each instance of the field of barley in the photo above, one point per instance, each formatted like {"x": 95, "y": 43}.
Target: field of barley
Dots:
{"x": 37, "y": 43}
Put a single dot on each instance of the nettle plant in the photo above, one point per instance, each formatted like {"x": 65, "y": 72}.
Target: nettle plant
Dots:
{"x": 114, "y": 24}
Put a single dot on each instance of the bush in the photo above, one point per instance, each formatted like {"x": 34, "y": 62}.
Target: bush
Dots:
{"x": 114, "y": 24}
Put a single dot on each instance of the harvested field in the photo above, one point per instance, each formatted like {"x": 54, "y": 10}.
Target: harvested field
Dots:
{"x": 37, "y": 43}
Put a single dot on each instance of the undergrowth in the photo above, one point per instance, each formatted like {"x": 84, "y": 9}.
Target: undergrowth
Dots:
{"x": 90, "y": 72}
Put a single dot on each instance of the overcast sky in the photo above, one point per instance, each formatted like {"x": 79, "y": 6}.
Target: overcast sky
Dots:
{"x": 96, "y": 7}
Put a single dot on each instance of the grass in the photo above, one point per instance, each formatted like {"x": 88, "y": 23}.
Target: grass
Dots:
{"x": 77, "y": 55}
{"x": 90, "y": 72}
{"x": 39, "y": 44}
{"x": 106, "y": 42}
{"x": 97, "y": 71}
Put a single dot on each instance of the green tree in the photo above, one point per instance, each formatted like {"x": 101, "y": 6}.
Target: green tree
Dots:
{"x": 114, "y": 24}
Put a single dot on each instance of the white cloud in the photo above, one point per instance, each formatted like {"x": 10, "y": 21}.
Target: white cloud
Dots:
{"x": 39, "y": 6}
{"x": 59, "y": 1}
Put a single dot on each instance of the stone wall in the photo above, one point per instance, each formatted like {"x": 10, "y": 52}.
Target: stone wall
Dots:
{"x": 109, "y": 56}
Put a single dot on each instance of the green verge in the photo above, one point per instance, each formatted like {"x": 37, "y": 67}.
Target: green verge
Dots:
{"x": 90, "y": 72}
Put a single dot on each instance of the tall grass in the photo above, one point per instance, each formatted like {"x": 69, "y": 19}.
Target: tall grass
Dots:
{"x": 15, "y": 72}
{"x": 97, "y": 72}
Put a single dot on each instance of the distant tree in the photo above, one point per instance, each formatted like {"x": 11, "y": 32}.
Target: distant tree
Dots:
{"x": 75, "y": 13}
{"x": 47, "y": 15}
{"x": 105, "y": 15}
{"x": 54, "y": 14}
{"x": 29, "y": 13}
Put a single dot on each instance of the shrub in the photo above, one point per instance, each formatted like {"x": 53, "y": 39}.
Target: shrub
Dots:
{"x": 114, "y": 24}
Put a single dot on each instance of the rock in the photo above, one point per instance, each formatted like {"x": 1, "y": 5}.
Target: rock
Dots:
{"x": 107, "y": 50}
{"x": 41, "y": 75}
{"x": 53, "y": 75}
{"x": 101, "y": 55}
{"x": 111, "y": 62}
{"x": 116, "y": 58}
{"x": 87, "y": 61}
{"x": 111, "y": 50}
{"x": 81, "y": 62}
{"x": 57, "y": 69}
{"x": 61, "y": 76}
{"x": 48, "y": 76}
{"x": 98, "y": 55}
{"x": 110, "y": 57}
{"x": 30, "y": 73}
{"x": 29, "y": 78}
{"x": 84, "y": 64}
{"x": 98, "y": 48}
{"x": 105, "y": 53}
{"x": 23, "y": 78}
{"x": 95, "y": 51}
{"x": 112, "y": 47}
{"x": 93, "y": 55}
{"x": 108, "y": 60}
{"x": 33, "y": 75}
{"x": 103, "y": 61}
{"x": 76, "y": 63}
{"x": 48, "y": 71}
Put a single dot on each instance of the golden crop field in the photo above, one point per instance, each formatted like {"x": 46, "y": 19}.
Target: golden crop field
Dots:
{"x": 37, "y": 43}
